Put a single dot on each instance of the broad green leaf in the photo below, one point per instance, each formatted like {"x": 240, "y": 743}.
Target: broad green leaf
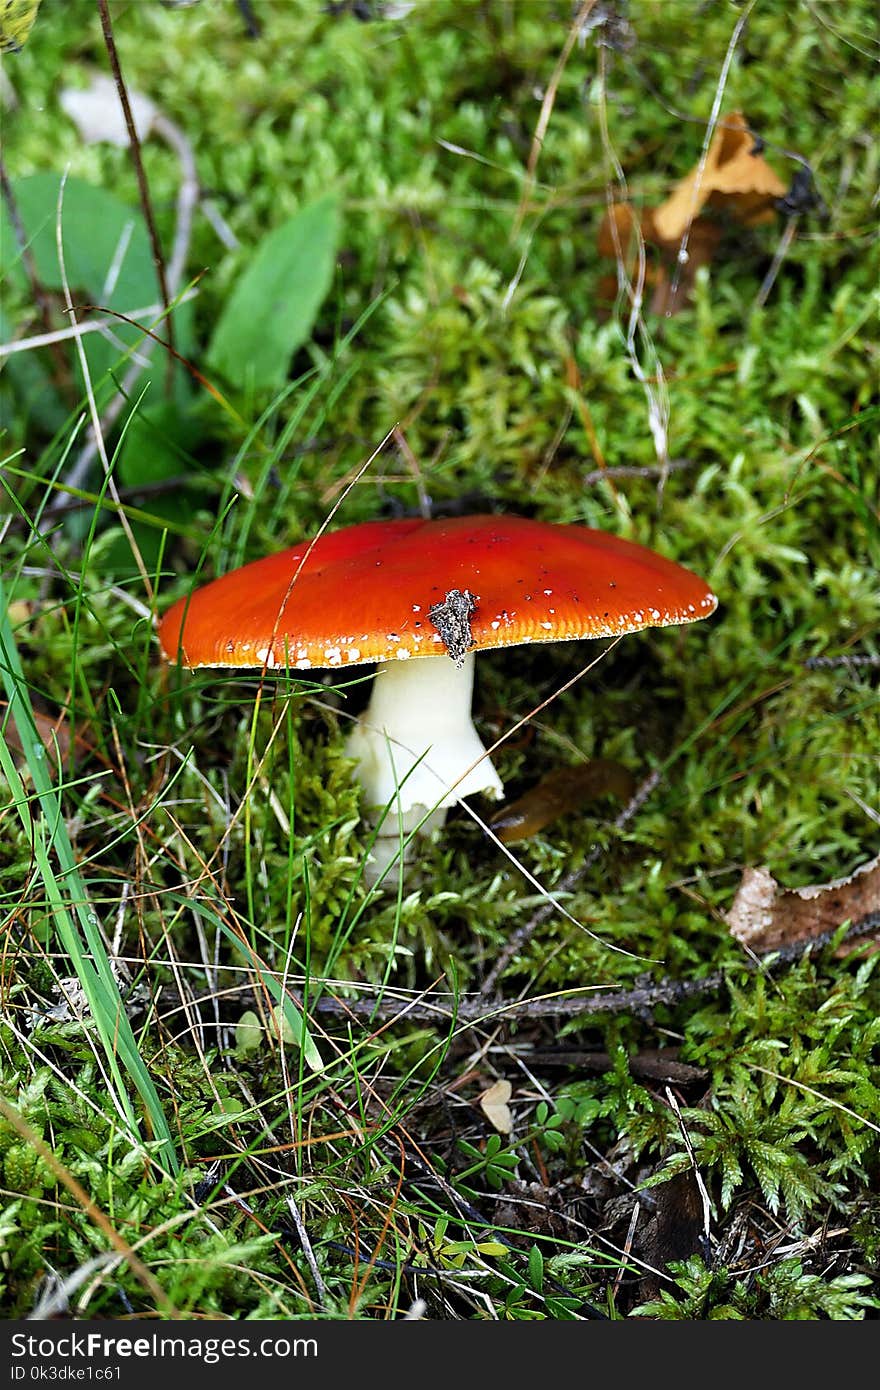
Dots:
{"x": 98, "y": 232}
{"x": 28, "y": 399}
{"x": 158, "y": 439}
{"x": 273, "y": 307}
{"x": 107, "y": 257}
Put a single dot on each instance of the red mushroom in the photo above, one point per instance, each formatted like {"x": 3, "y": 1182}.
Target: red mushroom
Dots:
{"x": 419, "y": 598}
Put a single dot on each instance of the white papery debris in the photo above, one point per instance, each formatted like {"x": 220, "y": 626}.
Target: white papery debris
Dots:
{"x": 96, "y": 111}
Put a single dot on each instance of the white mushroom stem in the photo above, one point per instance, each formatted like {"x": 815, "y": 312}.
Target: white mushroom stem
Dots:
{"x": 415, "y": 744}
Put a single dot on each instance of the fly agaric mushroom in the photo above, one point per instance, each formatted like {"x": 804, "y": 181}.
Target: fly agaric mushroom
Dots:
{"x": 419, "y": 598}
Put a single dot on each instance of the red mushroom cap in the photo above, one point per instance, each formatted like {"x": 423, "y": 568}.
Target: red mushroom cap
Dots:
{"x": 364, "y": 593}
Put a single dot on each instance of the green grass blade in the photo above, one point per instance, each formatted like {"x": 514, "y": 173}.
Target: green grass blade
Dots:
{"x": 76, "y": 922}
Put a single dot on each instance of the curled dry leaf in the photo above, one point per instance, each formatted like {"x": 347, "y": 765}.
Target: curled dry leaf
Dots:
{"x": 20, "y": 611}
{"x": 494, "y": 1106}
{"x": 764, "y": 916}
{"x": 564, "y": 789}
{"x": 735, "y": 178}
{"x": 55, "y": 736}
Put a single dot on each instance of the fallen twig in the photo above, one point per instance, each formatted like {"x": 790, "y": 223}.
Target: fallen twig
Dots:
{"x": 140, "y": 174}
{"x": 633, "y": 470}
{"x": 640, "y": 1001}
{"x": 831, "y": 663}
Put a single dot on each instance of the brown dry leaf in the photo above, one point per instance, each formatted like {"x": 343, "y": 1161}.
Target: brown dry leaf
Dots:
{"x": 764, "y": 916}
{"x": 494, "y": 1106}
{"x": 670, "y": 296}
{"x": 564, "y": 789}
{"x": 55, "y": 736}
{"x": 735, "y": 179}
{"x": 617, "y": 228}
{"x": 20, "y": 611}
{"x": 734, "y": 176}
{"x": 671, "y": 1230}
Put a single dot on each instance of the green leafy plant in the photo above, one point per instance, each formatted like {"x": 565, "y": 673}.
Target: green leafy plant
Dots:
{"x": 273, "y": 306}
{"x": 494, "y": 1162}
{"x": 784, "y": 1291}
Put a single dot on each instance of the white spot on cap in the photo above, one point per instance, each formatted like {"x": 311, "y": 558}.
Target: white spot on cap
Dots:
{"x": 402, "y": 654}
{"x": 417, "y": 608}
{"x": 333, "y": 656}
{"x": 303, "y": 664}
{"x": 548, "y": 592}
{"x": 548, "y": 627}
{"x": 353, "y": 654}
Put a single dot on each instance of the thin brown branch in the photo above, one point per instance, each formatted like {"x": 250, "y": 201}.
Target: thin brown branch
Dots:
{"x": 639, "y": 1001}
{"x": 140, "y": 174}
{"x": 546, "y": 112}
{"x": 832, "y": 663}
{"x": 187, "y": 200}
{"x": 635, "y": 470}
